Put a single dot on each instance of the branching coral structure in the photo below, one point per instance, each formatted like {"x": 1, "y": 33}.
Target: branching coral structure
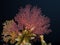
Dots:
{"x": 10, "y": 31}
{"x": 26, "y": 25}
{"x": 33, "y": 18}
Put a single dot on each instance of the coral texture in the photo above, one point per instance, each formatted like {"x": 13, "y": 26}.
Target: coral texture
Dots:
{"x": 10, "y": 31}
{"x": 29, "y": 17}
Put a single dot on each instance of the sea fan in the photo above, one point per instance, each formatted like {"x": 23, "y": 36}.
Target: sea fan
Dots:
{"x": 29, "y": 18}
{"x": 10, "y": 31}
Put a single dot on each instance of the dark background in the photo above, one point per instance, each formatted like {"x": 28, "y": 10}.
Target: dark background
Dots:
{"x": 50, "y": 8}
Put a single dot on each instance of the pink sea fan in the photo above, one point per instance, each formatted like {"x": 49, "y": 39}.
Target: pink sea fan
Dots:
{"x": 32, "y": 17}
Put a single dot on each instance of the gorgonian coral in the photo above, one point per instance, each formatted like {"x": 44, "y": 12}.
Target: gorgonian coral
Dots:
{"x": 29, "y": 17}
{"x": 28, "y": 22}
{"x": 10, "y": 31}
